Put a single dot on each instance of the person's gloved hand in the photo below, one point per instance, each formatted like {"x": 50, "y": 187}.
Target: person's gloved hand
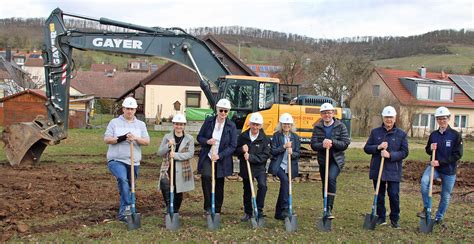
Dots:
{"x": 121, "y": 138}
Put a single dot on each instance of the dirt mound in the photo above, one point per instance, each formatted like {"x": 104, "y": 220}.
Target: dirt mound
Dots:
{"x": 32, "y": 196}
{"x": 463, "y": 189}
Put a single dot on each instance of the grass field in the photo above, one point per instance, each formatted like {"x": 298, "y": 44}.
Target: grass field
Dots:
{"x": 459, "y": 62}
{"x": 353, "y": 201}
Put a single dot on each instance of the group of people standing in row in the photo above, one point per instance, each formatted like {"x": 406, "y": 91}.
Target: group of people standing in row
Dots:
{"x": 219, "y": 142}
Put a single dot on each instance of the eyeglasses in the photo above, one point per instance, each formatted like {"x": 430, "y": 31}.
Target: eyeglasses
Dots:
{"x": 441, "y": 118}
{"x": 223, "y": 110}
{"x": 129, "y": 108}
{"x": 326, "y": 112}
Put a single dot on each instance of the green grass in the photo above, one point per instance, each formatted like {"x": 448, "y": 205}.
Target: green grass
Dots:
{"x": 353, "y": 201}
{"x": 459, "y": 62}
{"x": 256, "y": 55}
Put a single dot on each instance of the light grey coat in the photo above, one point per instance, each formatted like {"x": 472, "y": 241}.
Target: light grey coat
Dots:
{"x": 179, "y": 157}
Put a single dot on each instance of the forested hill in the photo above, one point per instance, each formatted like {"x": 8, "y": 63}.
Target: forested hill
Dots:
{"x": 22, "y": 33}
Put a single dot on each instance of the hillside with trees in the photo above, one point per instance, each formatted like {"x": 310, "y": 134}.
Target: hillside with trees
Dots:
{"x": 22, "y": 33}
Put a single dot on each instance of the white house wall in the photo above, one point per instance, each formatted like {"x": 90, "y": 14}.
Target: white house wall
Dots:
{"x": 166, "y": 96}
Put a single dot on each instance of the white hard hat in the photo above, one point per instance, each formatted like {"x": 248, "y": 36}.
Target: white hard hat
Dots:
{"x": 129, "y": 102}
{"x": 223, "y": 103}
{"x": 326, "y": 106}
{"x": 389, "y": 111}
{"x": 256, "y": 118}
{"x": 286, "y": 118}
{"x": 442, "y": 111}
{"x": 179, "y": 118}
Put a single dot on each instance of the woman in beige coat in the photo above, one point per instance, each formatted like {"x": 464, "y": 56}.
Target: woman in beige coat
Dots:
{"x": 183, "y": 145}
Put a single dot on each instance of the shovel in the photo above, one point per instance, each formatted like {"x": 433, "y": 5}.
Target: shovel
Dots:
{"x": 325, "y": 222}
{"x": 371, "y": 219}
{"x": 213, "y": 219}
{"x": 291, "y": 223}
{"x": 172, "y": 218}
{"x": 256, "y": 221}
{"x": 426, "y": 224}
{"x": 133, "y": 220}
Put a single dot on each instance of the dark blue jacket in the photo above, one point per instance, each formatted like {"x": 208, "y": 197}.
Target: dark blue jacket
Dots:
{"x": 278, "y": 151}
{"x": 259, "y": 153}
{"x": 227, "y": 146}
{"x": 340, "y": 142}
{"x": 397, "y": 147}
{"x": 449, "y": 150}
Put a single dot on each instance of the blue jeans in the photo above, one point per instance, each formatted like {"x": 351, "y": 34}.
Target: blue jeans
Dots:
{"x": 282, "y": 202}
{"x": 393, "y": 192}
{"x": 121, "y": 171}
{"x": 332, "y": 181}
{"x": 447, "y": 185}
{"x": 260, "y": 195}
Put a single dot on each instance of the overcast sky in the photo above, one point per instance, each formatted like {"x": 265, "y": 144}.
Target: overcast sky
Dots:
{"x": 313, "y": 18}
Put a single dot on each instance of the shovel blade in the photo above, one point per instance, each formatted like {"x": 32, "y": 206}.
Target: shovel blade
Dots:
{"x": 213, "y": 223}
{"x": 426, "y": 225}
{"x": 370, "y": 222}
{"x": 257, "y": 222}
{"x": 324, "y": 224}
{"x": 134, "y": 221}
{"x": 172, "y": 221}
{"x": 291, "y": 223}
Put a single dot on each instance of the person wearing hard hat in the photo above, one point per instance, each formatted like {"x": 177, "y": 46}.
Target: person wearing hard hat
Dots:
{"x": 182, "y": 153}
{"x": 119, "y": 134}
{"x": 449, "y": 149}
{"x": 284, "y": 142}
{"x": 330, "y": 133}
{"x": 390, "y": 142}
{"x": 253, "y": 146}
{"x": 218, "y": 139}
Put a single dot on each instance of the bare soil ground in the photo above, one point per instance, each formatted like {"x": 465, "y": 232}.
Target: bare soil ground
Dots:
{"x": 35, "y": 199}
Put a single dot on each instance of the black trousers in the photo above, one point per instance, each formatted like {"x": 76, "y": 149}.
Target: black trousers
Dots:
{"x": 219, "y": 192}
{"x": 332, "y": 181}
{"x": 262, "y": 191}
{"x": 165, "y": 190}
{"x": 393, "y": 191}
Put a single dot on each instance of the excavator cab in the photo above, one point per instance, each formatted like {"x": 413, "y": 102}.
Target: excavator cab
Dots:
{"x": 247, "y": 95}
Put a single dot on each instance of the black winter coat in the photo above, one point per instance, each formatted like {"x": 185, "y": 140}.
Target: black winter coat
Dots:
{"x": 259, "y": 151}
{"x": 340, "y": 142}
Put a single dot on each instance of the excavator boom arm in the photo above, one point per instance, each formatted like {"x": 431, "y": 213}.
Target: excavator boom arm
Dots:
{"x": 171, "y": 44}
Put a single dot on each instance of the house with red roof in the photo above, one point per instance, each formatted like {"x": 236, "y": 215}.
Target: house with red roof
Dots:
{"x": 34, "y": 66}
{"x": 415, "y": 95}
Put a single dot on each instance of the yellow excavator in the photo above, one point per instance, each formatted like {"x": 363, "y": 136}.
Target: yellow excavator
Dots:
{"x": 25, "y": 142}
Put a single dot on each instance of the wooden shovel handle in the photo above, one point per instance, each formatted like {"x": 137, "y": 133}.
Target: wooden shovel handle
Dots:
{"x": 172, "y": 170}
{"x": 379, "y": 176}
{"x": 433, "y": 156}
{"x": 132, "y": 168}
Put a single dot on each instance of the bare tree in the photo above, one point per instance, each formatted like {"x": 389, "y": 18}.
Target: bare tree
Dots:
{"x": 411, "y": 110}
{"x": 292, "y": 67}
{"x": 18, "y": 80}
{"x": 336, "y": 74}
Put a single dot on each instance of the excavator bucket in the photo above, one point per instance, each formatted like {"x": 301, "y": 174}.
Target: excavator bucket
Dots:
{"x": 25, "y": 142}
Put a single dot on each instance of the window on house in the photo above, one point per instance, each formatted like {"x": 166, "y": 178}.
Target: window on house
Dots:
{"x": 135, "y": 65}
{"x": 445, "y": 93}
{"x": 424, "y": 120}
{"x": 422, "y": 92}
{"x": 193, "y": 99}
{"x": 376, "y": 90}
{"x": 460, "y": 121}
